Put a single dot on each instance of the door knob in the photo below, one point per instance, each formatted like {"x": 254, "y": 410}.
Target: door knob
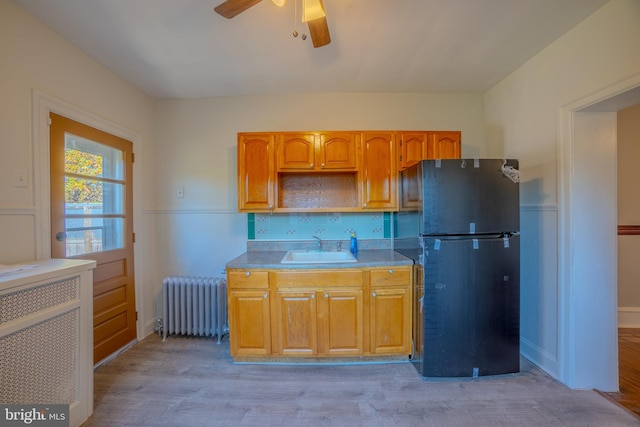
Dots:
{"x": 61, "y": 236}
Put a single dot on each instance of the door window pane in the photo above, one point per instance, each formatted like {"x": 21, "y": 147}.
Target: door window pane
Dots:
{"x": 93, "y": 235}
{"x": 94, "y": 197}
{"x": 90, "y": 158}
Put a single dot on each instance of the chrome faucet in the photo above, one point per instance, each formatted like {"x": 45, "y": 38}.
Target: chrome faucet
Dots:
{"x": 319, "y": 242}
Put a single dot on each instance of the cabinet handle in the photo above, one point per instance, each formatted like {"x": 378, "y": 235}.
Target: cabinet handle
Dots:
{"x": 248, "y": 273}
{"x": 311, "y": 165}
{"x": 322, "y": 165}
{"x": 266, "y": 296}
{"x": 364, "y": 206}
{"x": 373, "y": 294}
{"x": 391, "y": 271}
{"x": 326, "y": 295}
{"x": 313, "y": 296}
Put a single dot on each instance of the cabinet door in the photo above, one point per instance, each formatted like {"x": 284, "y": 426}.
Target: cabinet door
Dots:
{"x": 409, "y": 190}
{"x": 337, "y": 150}
{"x": 342, "y": 322}
{"x": 390, "y": 320}
{"x": 378, "y": 171}
{"x": 249, "y": 323}
{"x": 295, "y": 323}
{"x": 296, "y": 151}
{"x": 413, "y": 148}
{"x": 444, "y": 145}
{"x": 390, "y": 310}
{"x": 256, "y": 172}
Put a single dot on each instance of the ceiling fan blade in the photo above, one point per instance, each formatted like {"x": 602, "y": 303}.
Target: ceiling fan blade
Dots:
{"x": 319, "y": 31}
{"x": 231, "y": 8}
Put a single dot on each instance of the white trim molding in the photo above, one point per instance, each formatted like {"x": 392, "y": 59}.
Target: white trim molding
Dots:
{"x": 42, "y": 105}
{"x": 26, "y": 210}
{"x": 190, "y": 212}
{"x": 628, "y": 317}
{"x": 542, "y": 359}
{"x": 539, "y": 208}
{"x": 575, "y": 162}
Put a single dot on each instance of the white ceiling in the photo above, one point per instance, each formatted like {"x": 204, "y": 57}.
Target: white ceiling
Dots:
{"x": 183, "y": 49}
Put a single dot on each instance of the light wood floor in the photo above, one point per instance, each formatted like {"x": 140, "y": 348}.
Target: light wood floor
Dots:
{"x": 193, "y": 382}
{"x": 629, "y": 368}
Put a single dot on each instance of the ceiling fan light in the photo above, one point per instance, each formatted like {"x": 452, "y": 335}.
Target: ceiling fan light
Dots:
{"x": 279, "y": 3}
{"x": 312, "y": 9}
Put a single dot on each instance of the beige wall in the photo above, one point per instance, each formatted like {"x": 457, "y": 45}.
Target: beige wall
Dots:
{"x": 196, "y": 149}
{"x": 522, "y": 117}
{"x": 36, "y": 61}
{"x": 629, "y": 209}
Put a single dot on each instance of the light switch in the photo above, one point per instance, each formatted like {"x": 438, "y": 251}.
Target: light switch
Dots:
{"x": 180, "y": 192}
{"x": 20, "y": 178}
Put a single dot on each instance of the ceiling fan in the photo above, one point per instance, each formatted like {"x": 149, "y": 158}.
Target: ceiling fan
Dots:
{"x": 312, "y": 12}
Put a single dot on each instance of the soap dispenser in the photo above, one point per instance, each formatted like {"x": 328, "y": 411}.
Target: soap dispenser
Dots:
{"x": 354, "y": 244}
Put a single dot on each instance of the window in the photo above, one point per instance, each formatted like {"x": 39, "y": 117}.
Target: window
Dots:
{"x": 94, "y": 196}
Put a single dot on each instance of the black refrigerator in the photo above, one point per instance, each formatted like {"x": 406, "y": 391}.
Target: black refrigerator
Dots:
{"x": 459, "y": 221}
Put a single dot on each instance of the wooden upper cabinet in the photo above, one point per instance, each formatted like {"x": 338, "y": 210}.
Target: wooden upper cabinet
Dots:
{"x": 409, "y": 190}
{"x": 317, "y": 151}
{"x": 416, "y": 146}
{"x": 338, "y": 150}
{"x": 296, "y": 151}
{"x": 338, "y": 171}
{"x": 444, "y": 145}
{"x": 379, "y": 171}
{"x": 413, "y": 148}
{"x": 256, "y": 172}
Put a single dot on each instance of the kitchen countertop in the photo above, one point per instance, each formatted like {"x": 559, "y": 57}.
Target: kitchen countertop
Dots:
{"x": 366, "y": 258}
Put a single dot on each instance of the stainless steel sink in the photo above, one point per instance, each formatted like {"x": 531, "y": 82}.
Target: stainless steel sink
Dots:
{"x": 317, "y": 257}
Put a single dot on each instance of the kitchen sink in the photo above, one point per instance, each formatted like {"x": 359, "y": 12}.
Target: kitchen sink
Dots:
{"x": 317, "y": 257}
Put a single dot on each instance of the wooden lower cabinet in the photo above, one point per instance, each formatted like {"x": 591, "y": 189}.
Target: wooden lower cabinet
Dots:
{"x": 295, "y": 323}
{"x": 390, "y": 333}
{"x": 320, "y": 312}
{"x": 249, "y": 320}
{"x": 390, "y": 309}
{"x": 342, "y": 317}
{"x": 318, "y": 322}
{"x": 249, "y": 313}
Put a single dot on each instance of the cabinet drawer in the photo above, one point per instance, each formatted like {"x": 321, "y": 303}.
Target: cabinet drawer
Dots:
{"x": 390, "y": 276}
{"x": 248, "y": 279}
{"x": 321, "y": 279}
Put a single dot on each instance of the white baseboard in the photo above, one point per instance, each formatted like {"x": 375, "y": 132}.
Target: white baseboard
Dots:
{"x": 539, "y": 357}
{"x": 148, "y": 328}
{"x": 628, "y": 317}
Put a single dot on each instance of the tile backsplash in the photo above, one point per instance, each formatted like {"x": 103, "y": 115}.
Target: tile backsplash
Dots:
{"x": 330, "y": 225}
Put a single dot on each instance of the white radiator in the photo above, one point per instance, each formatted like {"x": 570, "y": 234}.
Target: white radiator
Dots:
{"x": 194, "y": 306}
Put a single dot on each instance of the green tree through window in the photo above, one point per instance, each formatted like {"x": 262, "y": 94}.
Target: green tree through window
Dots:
{"x": 82, "y": 190}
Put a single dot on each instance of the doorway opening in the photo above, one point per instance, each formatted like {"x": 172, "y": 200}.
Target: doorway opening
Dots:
{"x": 588, "y": 321}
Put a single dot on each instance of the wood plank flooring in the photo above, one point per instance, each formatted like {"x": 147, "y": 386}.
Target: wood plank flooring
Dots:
{"x": 193, "y": 382}
{"x": 629, "y": 369}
